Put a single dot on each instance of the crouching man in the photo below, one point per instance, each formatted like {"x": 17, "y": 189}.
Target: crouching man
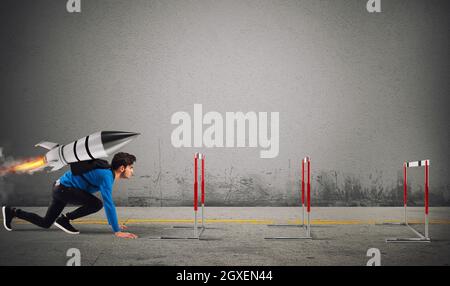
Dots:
{"x": 79, "y": 190}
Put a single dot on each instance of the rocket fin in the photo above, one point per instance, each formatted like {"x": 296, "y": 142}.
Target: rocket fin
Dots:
{"x": 55, "y": 168}
{"x": 46, "y": 145}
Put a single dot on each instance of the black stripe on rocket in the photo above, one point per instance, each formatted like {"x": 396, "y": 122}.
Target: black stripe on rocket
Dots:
{"x": 61, "y": 150}
{"x": 86, "y": 145}
{"x": 75, "y": 150}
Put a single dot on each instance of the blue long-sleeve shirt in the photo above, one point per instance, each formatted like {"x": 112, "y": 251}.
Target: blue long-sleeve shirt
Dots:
{"x": 100, "y": 180}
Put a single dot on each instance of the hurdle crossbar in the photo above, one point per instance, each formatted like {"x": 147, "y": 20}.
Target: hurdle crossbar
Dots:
{"x": 420, "y": 237}
{"x": 307, "y": 226}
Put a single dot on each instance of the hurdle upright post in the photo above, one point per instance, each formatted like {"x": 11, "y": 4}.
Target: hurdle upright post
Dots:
{"x": 427, "y": 174}
{"x": 195, "y": 193}
{"x": 303, "y": 192}
{"x": 308, "y": 198}
{"x": 405, "y": 192}
{"x": 202, "y": 157}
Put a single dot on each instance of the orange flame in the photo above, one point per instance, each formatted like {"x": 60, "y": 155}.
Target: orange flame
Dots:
{"x": 27, "y": 166}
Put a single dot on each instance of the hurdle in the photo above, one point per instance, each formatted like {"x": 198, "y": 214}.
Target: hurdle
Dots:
{"x": 307, "y": 226}
{"x": 405, "y": 200}
{"x": 420, "y": 237}
{"x": 198, "y": 230}
{"x": 202, "y": 187}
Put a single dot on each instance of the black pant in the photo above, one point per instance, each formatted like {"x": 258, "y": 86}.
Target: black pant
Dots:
{"x": 62, "y": 196}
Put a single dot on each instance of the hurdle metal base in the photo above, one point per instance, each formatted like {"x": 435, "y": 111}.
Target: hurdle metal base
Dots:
{"x": 187, "y": 227}
{"x": 184, "y": 226}
{"x": 289, "y": 238}
{"x": 173, "y": 238}
{"x": 391, "y": 223}
{"x": 415, "y": 239}
{"x": 307, "y": 236}
{"x": 286, "y": 225}
{"x": 420, "y": 238}
{"x": 180, "y": 237}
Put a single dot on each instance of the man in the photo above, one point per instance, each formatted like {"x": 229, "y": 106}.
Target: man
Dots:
{"x": 78, "y": 190}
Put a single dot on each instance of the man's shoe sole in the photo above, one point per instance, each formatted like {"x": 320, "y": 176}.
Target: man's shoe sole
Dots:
{"x": 65, "y": 230}
{"x": 4, "y": 219}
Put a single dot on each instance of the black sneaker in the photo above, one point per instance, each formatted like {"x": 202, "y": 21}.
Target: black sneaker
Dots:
{"x": 8, "y": 215}
{"x": 64, "y": 223}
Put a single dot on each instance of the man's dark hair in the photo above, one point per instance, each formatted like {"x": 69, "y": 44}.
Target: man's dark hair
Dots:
{"x": 122, "y": 159}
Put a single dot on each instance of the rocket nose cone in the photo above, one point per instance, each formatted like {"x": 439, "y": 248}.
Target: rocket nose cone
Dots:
{"x": 113, "y": 140}
{"x": 108, "y": 136}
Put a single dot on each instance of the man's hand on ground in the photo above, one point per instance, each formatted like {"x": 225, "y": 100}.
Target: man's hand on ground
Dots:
{"x": 125, "y": 235}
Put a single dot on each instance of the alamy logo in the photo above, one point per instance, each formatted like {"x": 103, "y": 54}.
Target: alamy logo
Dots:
{"x": 231, "y": 132}
{"x": 75, "y": 257}
{"x": 375, "y": 255}
{"x": 373, "y": 6}
{"x": 73, "y": 6}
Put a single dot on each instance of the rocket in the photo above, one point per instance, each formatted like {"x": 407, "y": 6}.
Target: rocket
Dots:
{"x": 97, "y": 145}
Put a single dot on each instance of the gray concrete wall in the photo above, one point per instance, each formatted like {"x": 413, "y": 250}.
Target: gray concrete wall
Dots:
{"x": 358, "y": 92}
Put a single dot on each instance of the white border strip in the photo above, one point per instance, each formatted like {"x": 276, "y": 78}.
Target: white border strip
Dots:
{"x": 417, "y": 163}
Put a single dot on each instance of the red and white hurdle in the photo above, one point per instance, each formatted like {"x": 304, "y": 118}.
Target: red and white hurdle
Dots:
{"x": 198, "y": 230}
{"x": 420, "y": 237}
{"x": 307, "y": 161}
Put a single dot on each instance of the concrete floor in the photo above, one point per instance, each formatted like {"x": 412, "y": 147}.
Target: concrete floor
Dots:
{"x": 341, "y": 236}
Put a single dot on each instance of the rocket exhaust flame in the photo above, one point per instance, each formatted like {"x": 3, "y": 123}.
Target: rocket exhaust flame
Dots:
{"x": 29, "y": 166}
